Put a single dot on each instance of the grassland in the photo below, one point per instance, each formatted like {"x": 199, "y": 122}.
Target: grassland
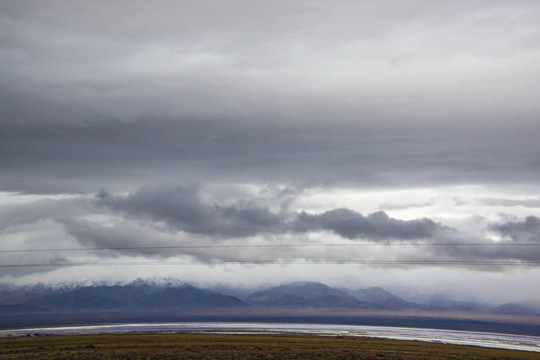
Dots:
{"x": 216, "y": 346}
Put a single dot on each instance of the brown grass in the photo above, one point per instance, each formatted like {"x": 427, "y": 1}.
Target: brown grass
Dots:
{"x": 215, "y": 346}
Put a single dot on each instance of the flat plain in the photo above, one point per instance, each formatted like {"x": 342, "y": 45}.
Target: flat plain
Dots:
{"x": 227, "y": 346}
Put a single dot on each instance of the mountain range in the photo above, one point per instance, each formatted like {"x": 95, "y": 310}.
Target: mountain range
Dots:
{"x": 177, "y": 296}
{"x": 101, "y": 297}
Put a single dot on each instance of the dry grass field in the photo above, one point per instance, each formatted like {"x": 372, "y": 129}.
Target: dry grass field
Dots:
{"x": 215, "y": 346}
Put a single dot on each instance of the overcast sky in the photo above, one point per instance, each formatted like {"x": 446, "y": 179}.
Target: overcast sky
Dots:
{"x": 140, "y": 126}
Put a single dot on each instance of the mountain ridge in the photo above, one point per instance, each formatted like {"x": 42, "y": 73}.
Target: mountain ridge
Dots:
{"x": 162, "y": 294}
{"x": 304, "y": 293}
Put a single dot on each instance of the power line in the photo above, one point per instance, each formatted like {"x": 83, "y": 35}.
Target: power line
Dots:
{"x": 262, "y": 246}
{"x": 268, "y": 262}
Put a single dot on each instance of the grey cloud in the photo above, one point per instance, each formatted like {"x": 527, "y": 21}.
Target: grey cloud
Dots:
{"x": 527, "y": 230}
{"x": 147, "y": 221}
{"x": 192, "y": 223}
{"x": 519, "y": 242}
{"x": 351, "y": 224}
{"x": 13, "y": 215}
{"x": 505, "y": 202}
{"x": 81, "y": 158}
{"x": 406, "y": 205}
{"x": 79, "y": 61}
{"x": 460, "y": 201}
{"x": 131, "y": 239}
{"x": 52, "y": 263}
{"x": 123, "y": 235}
{"x": 467, "y": 247}
{"x": 182, "y": 208}
{"x": 305, "y": 93}
{"x": 533, "y": 203}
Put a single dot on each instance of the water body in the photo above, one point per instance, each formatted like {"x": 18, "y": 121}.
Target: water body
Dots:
{"x": 483, "y": 339}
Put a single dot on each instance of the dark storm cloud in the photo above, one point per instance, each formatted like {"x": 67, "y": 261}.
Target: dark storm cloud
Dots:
{"x": 182, "y": 208}
{"x": 171, "y": 221}
{"x": 157, "y": 218}
{"x": 351, "y": 224}
{"x": 527, "y": 230}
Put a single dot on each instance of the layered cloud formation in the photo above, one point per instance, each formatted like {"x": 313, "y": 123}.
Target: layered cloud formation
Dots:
{"x": 173, "y": 221}
{"x": 182, "y": 208}
{"x": 279, "y": 123}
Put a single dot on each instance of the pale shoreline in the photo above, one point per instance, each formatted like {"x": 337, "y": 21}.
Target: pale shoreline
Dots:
{"x": 453, "y": 337}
